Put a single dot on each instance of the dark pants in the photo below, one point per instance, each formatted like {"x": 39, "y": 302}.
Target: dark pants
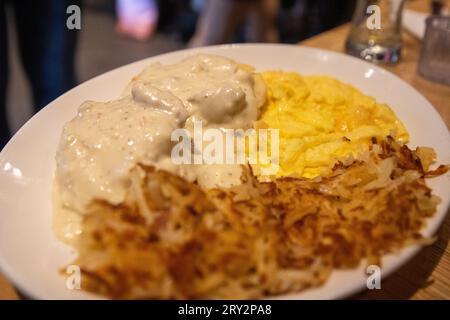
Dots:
{"x": 47, "y": 51}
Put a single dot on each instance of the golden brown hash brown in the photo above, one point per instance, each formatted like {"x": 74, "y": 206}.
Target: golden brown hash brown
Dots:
{"x": 171, "y": 239}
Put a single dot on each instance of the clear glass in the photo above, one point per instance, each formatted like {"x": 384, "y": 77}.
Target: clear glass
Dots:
{"x": 434, "y": 62}
{"x": 376, "y": 31}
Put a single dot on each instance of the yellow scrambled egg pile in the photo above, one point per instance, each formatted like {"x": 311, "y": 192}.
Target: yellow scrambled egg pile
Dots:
{"x": 323, "y": 120}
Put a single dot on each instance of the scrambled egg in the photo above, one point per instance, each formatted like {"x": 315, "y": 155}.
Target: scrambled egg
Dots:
{"x": 323, "y": 120}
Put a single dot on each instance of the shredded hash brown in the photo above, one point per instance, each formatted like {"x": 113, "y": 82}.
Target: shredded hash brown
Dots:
{"x": 173, "y": 240}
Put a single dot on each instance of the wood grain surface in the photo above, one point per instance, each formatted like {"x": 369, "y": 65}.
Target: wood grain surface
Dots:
{"x": 427, "y": 276}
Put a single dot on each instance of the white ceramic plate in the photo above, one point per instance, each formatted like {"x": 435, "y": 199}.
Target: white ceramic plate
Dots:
{"x": 31, "y": 256}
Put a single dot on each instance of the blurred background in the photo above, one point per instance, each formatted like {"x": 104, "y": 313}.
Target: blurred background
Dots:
{"x": 40, "y": 58}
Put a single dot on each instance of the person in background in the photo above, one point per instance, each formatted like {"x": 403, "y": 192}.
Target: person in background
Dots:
{"x": 137, "y": 19}
{"x": 220, "y": 19}
{"x": 47, "y": 51}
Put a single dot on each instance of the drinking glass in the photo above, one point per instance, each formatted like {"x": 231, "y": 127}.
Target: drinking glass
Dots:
{"x": 434, "y": 62}
{"x": 376, "y": 31}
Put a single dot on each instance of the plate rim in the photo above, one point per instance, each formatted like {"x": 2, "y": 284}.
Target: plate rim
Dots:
{"x": 406, "y": 254}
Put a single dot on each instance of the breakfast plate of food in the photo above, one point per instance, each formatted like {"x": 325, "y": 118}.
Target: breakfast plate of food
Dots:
{"x": 227, "y": 172}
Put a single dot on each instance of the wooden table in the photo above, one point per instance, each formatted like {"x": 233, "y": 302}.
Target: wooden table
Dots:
{"x": 427, "y": 276}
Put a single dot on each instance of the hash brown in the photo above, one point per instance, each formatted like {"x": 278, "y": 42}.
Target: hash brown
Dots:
{"x": 171, "y": 239}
